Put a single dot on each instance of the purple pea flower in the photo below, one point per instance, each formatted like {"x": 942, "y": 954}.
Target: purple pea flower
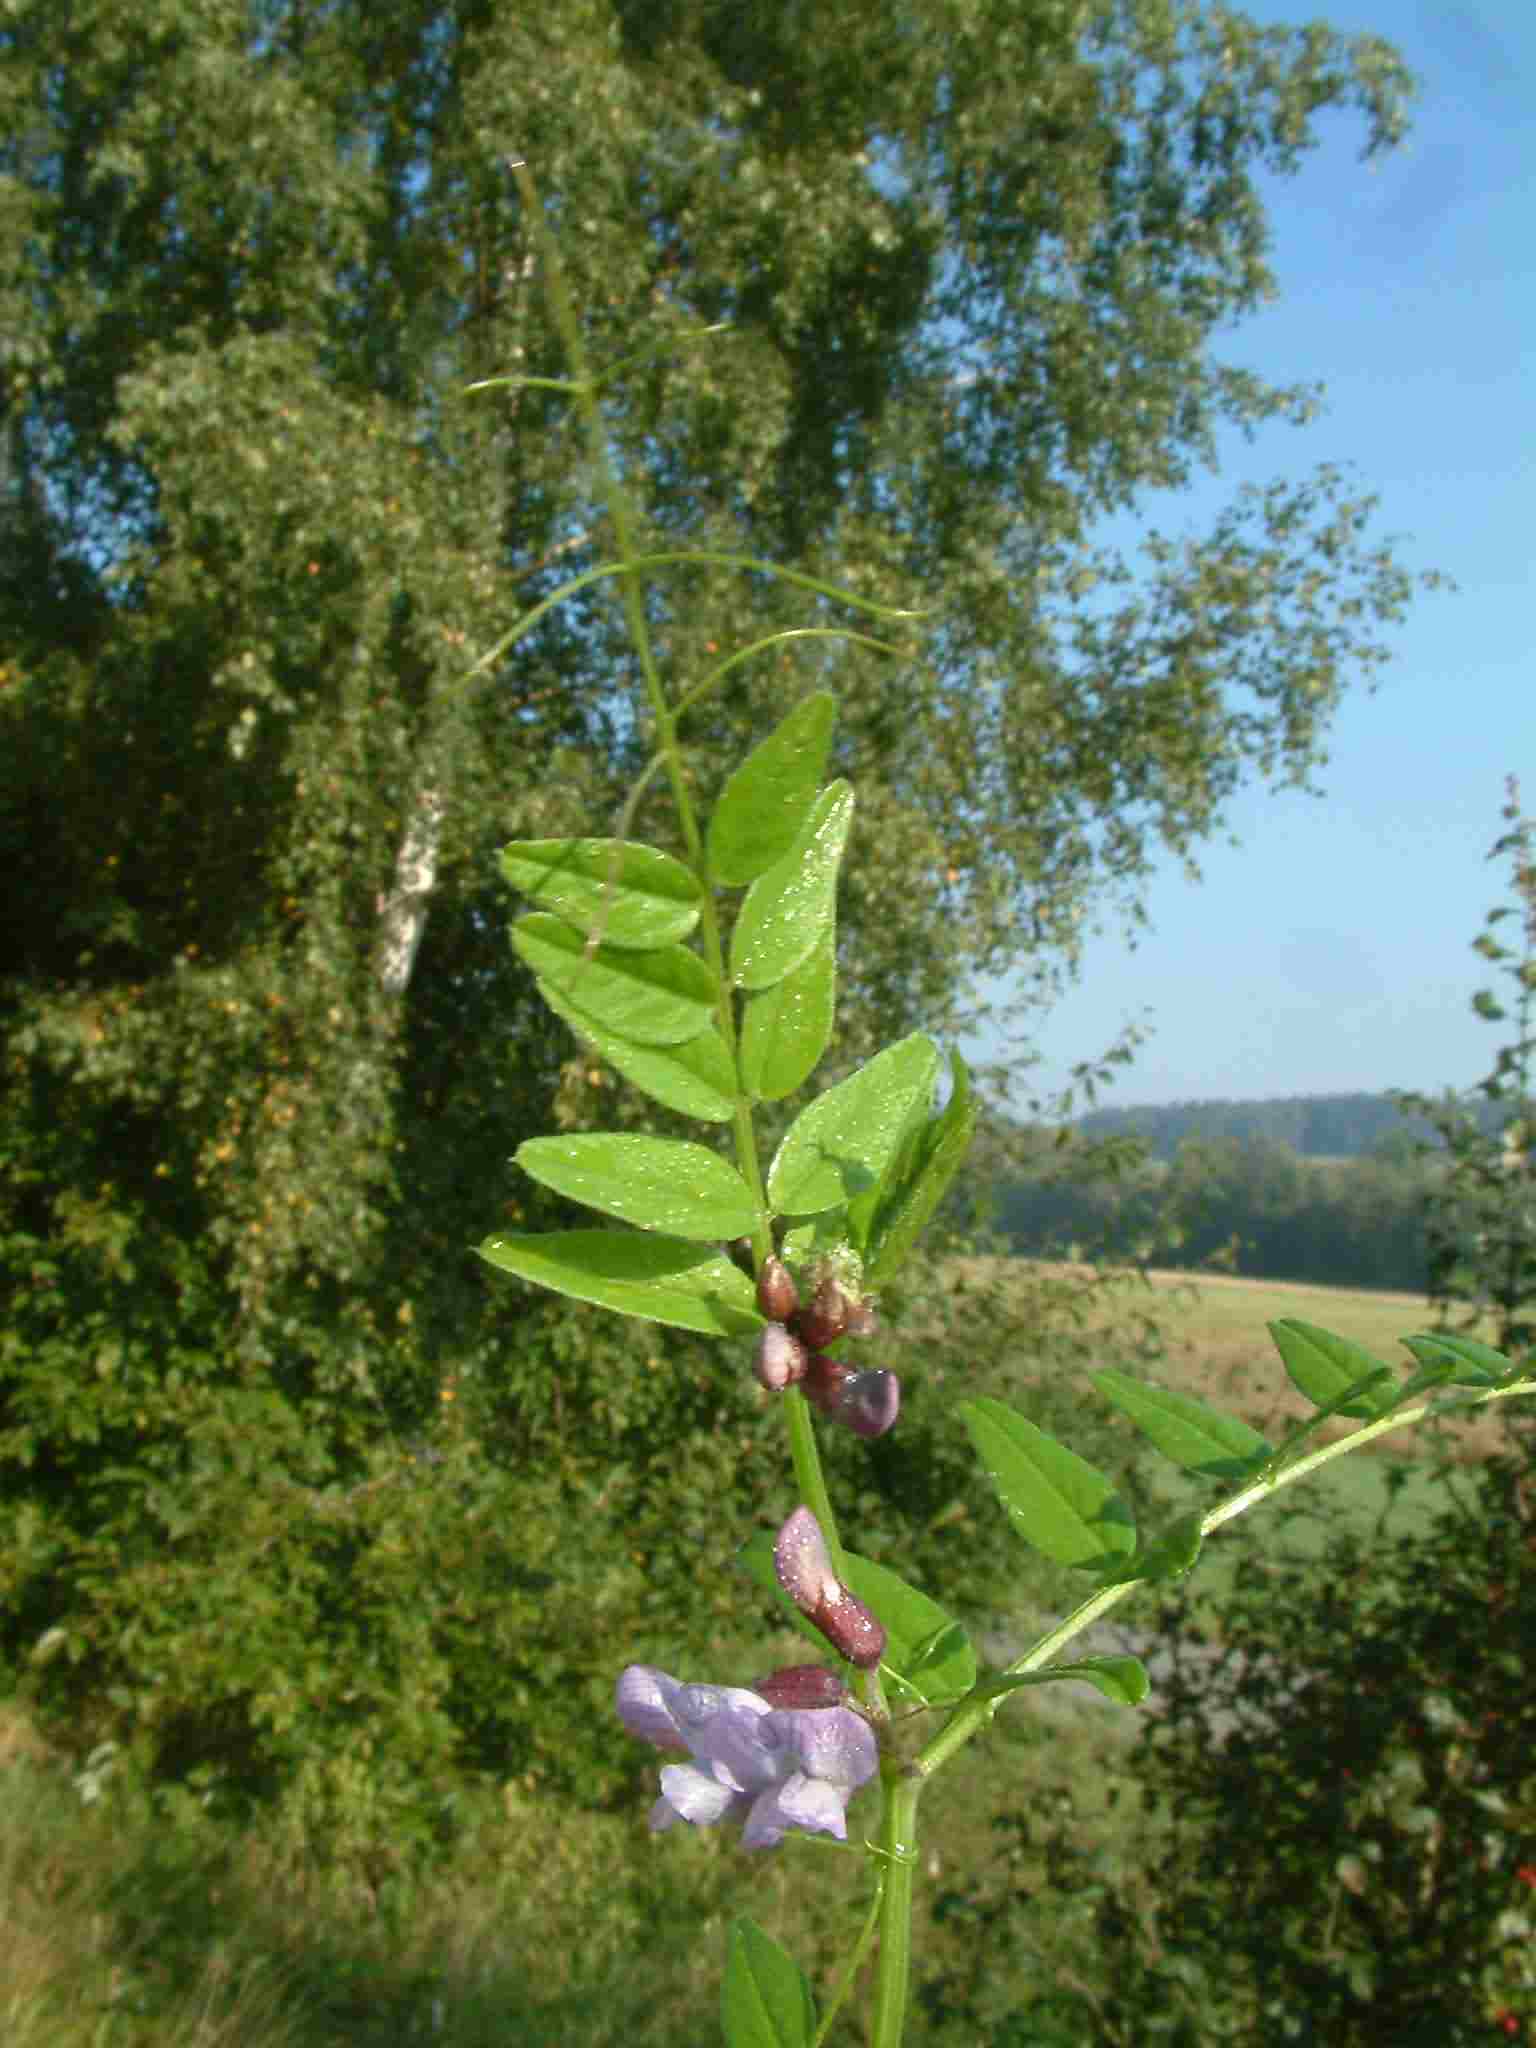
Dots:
{"x": 772, "y": 1768}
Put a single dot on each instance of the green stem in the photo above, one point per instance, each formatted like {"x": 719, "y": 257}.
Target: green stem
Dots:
{"x": 810, "y": 1481}
{"x": 631, "y": 582}
{"x": 898, "y": 1851}
{"x": 851, "y": 1968}
{"x": 633, "y": 564}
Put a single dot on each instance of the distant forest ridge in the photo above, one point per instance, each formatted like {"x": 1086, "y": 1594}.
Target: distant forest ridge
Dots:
{"x": 1330, "y": 1126}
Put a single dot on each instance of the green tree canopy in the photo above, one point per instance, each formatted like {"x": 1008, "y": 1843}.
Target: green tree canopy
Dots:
{"x": 974, "y": 257}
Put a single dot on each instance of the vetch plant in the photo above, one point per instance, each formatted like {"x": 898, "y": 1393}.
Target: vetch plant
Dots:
{"x": 707, "y": 978}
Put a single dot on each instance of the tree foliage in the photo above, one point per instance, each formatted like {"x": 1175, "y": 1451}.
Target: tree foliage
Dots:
{"x": 266, "y": 1049}
{"x": 1345, "y": 1126}
{"x": 1481, "y": 1217}
{"x": 1254, "y": 1206}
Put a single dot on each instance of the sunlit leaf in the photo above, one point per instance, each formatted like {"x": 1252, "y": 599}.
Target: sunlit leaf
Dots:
{"x": 659, "y": 1279}
{"x": 1324, "y": 1367}
{"x": 786, "y": 1029}
{"x": 767, "y": 803}
{"x": 841, "y": 1143}
{"x": 1471, "y": 1364}
{"x": 918, "y": 1179}
{"x": 1167, "y": 1556}
{"x": 765, "y": 2001}
{"x": 790, "y": 910}
{"x": 663, "y": 997}
{"x": 630, "y": 895}
{"x": 658, "y": 1183}
{"x": 926, "y": 1648}
{"x": 1198, "y": 1438}
{"x": 1055, "y": 1499}
{"x": 696, "y": 1077}
{"x": 1120, "y": 1679}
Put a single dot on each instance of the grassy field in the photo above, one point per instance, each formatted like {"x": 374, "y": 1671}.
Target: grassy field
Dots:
{"x": 1219, "y": 1349}
{"x": 577, "y": 1929}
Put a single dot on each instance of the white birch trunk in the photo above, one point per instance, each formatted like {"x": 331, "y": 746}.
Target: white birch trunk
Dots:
{"x": 403, "y": 913}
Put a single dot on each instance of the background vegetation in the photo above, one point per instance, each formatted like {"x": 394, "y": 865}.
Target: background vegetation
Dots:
{"x": 288, "y": 1485}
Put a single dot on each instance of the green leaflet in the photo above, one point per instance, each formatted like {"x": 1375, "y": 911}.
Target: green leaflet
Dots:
{"x": 927, "y": 1651}
{"x": 1325, "y": 1368}
{"x": 664, "y": 997}
{"x": 1198, "y": 1438}
{"x": 1055, "y": 1499}
{"x": 765, "y": 2001}
{"x": 842, "y": 1143}
{"x": 1468, "y": 1363}
{"x": 790, "y": 910}
{"x": 1121, "y": 1679}
{"x": 630, "y": 895}
{"x": 694, "y": 1077}
{"x": 915, "y": 1183}
{"x": 1168, "y": 1556}
{"x": 660, "y": 1279}
{"x": 766, "y": 804}
{"x": 658, "y": 1183}
{"x": 786, "y": 1029}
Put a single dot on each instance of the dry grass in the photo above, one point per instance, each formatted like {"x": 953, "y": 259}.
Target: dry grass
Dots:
{"x": 1219, "y": 1350}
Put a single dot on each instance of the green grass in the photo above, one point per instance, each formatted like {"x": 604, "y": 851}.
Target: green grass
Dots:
{"x": 565, "y": 1930}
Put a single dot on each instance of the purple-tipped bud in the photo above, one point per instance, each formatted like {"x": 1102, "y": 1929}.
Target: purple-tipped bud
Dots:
{"x": 802, "y": 1685}
{"x": 779, "y": 1359}
{"x": 827, "y": 1317}
{"x": 869, "y": 1402}
{"x": 804, "y": 1570}
{"x": 777, "y": 1295}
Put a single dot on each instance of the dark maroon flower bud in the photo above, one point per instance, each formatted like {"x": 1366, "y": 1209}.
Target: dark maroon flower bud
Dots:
{"x": 777, "y": 1295}
{"x": 869, "y": 1402}
{"x": 804, "y": 1569}
{"x": 739, "y": 1252}
{"x": 802, "y": 1685}
{"x": 779, "y": 1359}
{"x": 827, "y": 1317}
{"x": 824, "y": 1379}
{"x": 865, "y": 1402}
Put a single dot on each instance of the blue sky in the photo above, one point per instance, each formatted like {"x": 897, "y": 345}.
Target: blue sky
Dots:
{"x": 1330, "y": 949}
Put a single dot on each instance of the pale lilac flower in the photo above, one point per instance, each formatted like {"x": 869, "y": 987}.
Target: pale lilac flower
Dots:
{"x": 772, "y": 1768}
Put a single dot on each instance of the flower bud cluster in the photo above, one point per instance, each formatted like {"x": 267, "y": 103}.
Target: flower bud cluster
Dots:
{"x": 792, "y": 1350}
